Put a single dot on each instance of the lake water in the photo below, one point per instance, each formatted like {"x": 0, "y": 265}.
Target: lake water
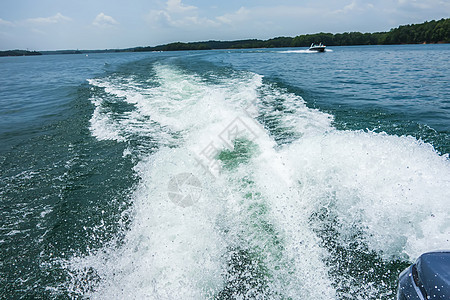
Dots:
{"x": 226, "y": 174}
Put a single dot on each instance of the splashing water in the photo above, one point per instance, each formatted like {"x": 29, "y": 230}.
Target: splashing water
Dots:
{"x": 283, "y": 205}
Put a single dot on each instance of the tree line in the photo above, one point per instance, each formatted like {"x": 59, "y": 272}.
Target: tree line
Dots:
{"x": 19, "y": 53}
{"x": 427, "y": 32}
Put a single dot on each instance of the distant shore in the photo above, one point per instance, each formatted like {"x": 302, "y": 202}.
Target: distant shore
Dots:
{"x": 19, "y": 53}
{"x": 430, "y": 32}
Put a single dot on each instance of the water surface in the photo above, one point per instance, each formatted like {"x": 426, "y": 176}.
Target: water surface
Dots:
{"x": 226, "y": 174}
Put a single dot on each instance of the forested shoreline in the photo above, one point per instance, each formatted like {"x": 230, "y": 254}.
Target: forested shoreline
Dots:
{"x": 430, "y": 32}
{"x": 424, "y": 33}
{"x": 19, "y": 53}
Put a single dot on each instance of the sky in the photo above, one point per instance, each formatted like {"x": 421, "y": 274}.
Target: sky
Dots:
{"x": 109, "y": 24}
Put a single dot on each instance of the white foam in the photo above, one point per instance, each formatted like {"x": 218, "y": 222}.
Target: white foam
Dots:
{"x": 394, "y": 190}
{"x": 303, "y": 120}
{"x": 303, "y": 51}
{"x": 170, "y": 251}
{"x": 103, "y": 128}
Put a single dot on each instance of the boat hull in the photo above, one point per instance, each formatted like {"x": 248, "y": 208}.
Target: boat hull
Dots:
{"x": 317, "y": 49}
{"x": 427, "y": 278}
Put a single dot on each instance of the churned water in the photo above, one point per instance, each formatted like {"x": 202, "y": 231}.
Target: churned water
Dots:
{"x": 232, "y": 174}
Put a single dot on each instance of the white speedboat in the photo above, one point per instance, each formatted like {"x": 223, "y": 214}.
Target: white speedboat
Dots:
{"x": 317, "y": 48}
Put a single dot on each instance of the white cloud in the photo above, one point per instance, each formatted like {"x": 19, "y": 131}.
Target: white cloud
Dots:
{"x": 239, "y": 15}
{"x": 58, "y": 18}
{"x": 351, "y": 6}
{"x": 269, "y": 19}
{"x": 37, "y": 31}
{"x": 159, "y": 18}
{"x": 269, "y": 14}
{"x": 175, "y": 6}
{"x": 424, "y": 4}
{"x": 178, "y": 15}
{"x": 5, "y": 23}
{"x": 104, "y": 21}
{"x": 354, "y": 6}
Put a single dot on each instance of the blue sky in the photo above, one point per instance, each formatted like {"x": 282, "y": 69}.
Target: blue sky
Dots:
{"x": 102, "y": 24}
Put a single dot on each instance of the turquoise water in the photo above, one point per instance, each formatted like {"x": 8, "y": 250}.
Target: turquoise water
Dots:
{"x": 231, "y": 174}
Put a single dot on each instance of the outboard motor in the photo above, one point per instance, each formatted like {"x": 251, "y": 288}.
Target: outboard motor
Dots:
{"x": 427, "y": 278}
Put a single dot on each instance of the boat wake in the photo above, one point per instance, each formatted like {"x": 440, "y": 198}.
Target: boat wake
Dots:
{"x": 303, "y": 51}
{"x": 247, "y": 193}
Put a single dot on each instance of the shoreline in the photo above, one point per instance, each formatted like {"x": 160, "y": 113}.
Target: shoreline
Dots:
{"x": 430, "y": 32}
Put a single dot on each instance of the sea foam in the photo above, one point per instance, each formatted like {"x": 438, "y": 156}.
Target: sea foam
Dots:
{"x": 251, "y": 230}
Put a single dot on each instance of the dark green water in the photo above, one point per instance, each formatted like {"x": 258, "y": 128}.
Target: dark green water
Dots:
{"x": 309, "y": 175}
